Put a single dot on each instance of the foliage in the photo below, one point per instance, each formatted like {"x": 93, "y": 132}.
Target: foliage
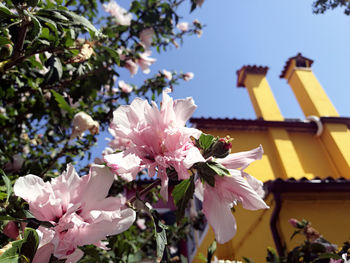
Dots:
{"x": 321, "y": 6}
{"x": 315, "y": 248}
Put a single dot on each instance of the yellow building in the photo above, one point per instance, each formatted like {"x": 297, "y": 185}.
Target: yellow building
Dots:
{"x": 305, "y": 166}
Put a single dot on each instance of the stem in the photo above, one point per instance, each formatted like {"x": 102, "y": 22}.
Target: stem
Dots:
{"x": 54, "y": 160}
{"x": 144, "y": 191}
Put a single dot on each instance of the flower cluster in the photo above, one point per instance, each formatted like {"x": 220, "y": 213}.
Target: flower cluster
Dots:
{"x": 158, "y": 140}
{"x": 147, "y": 137}
{"x": 77, "y": 207}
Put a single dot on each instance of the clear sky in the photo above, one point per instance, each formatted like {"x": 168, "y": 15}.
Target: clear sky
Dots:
{"x": 255, "y": 32}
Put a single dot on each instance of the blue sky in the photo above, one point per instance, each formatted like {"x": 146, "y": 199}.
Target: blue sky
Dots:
{"x": 264, "y": 33}
{"x": 255, "y": 32}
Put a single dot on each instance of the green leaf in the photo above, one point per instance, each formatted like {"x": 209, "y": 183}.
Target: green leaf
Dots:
{"x": 30, "y": 244}
{"x": 35, "y": 31}
{"x": 211, "y": 251}
{"x": 113, "y": 54}
{"x": 272, "y": 256}
{"x": 201, "y": 257}
{"x": 180, "y": 189}
{"x": 62, "y": 102}
{"x": 329, "y": 255}
{"x": 4, "y": 41}
{"x": 182, "y": 194}
{"x": 7, "y": 218}
{"x": 55, "y": 70}
{"x": 80, "y": 21}
{"x": 206, "y": 173}
{"x": 49, "y": 23}
{"x": 5, "y": 12}
{"x": 205, "y": 141}
{"x": 8, "y": 185}
{"x": 160, "y": 235}
{"x": 219, "y": 169}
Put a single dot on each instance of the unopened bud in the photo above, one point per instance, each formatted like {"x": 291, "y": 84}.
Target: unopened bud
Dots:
{"x": 81, "y": 123}
{"x": 222, "y": 147}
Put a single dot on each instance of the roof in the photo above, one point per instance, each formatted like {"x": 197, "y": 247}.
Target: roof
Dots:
{"x": 241, "y": 73}
{"x": 295, "y": 125}
{"x": 300, "y": 62}
{"x": 291, "y": 185}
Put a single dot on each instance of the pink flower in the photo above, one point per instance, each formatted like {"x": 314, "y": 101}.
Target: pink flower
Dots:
{"x": 182, "y": 26}
{"x": 131, "y": 66}
{"x": 11, "y": 230}
{"x": 228, "y": 191}
{"x": 159, "y": 139}
{"x": 145, "y": 61}
{"x": 122, "y": 17}
{"x": 335, "y": 260}
{"x": 167, "y": 74}
{"x": 146, "y": 36}
{"x": 124, "y": 86}
{"x": 293, "y": 222}
{"x": 188, "y": 76}
{"x": 78, "y": 209}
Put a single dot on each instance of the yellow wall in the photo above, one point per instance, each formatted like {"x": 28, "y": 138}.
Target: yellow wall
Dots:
{"x": 289, "y": 154}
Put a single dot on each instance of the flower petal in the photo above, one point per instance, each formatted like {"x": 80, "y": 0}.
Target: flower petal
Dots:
{"x": 219, "y": 215}
{"x": 184, "y": 108}
{"x": 43, "y": 254}
{"x": 124, "y": 164}
{"x": 193, "y": 156}
{"x": 240, "y": 190}
{"x": 241, "y": 159}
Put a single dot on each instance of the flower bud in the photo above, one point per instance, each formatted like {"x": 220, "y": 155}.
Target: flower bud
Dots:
{"x": 222, "y": 147}
{"x": 81, "y": 123}
{"x": 11, "y": 230}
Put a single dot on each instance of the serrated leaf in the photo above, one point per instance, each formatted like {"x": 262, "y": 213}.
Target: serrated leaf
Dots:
{"x": 180, "y": 189}
{"x": 62, "y": 103}
{"x": 160, "y": 235}
{"x": 218, "y": 168}
{"x": 49, "y": 23}
{"x": 206, "y": 173}
{"x": 35, "y": 31}
{"x": 30, "y": 244}
{"x": 183, "y": 193}
{"x": 55, "y": 70}
{"x": 205, "y": 141}
{"x": 80, "y": 21}
{"x": 113, "y": 54}
{"x": 8, "y": 185}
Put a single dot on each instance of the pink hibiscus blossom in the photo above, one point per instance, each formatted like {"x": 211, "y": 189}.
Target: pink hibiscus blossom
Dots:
{"x": 122, "y": 17}
{"x": 228, "y": 190}
{"x": 146, "y": 37}
{"x": 145, "y": 61}
{"x": 159, "y": 139}
{"x": 78, "y": 209}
